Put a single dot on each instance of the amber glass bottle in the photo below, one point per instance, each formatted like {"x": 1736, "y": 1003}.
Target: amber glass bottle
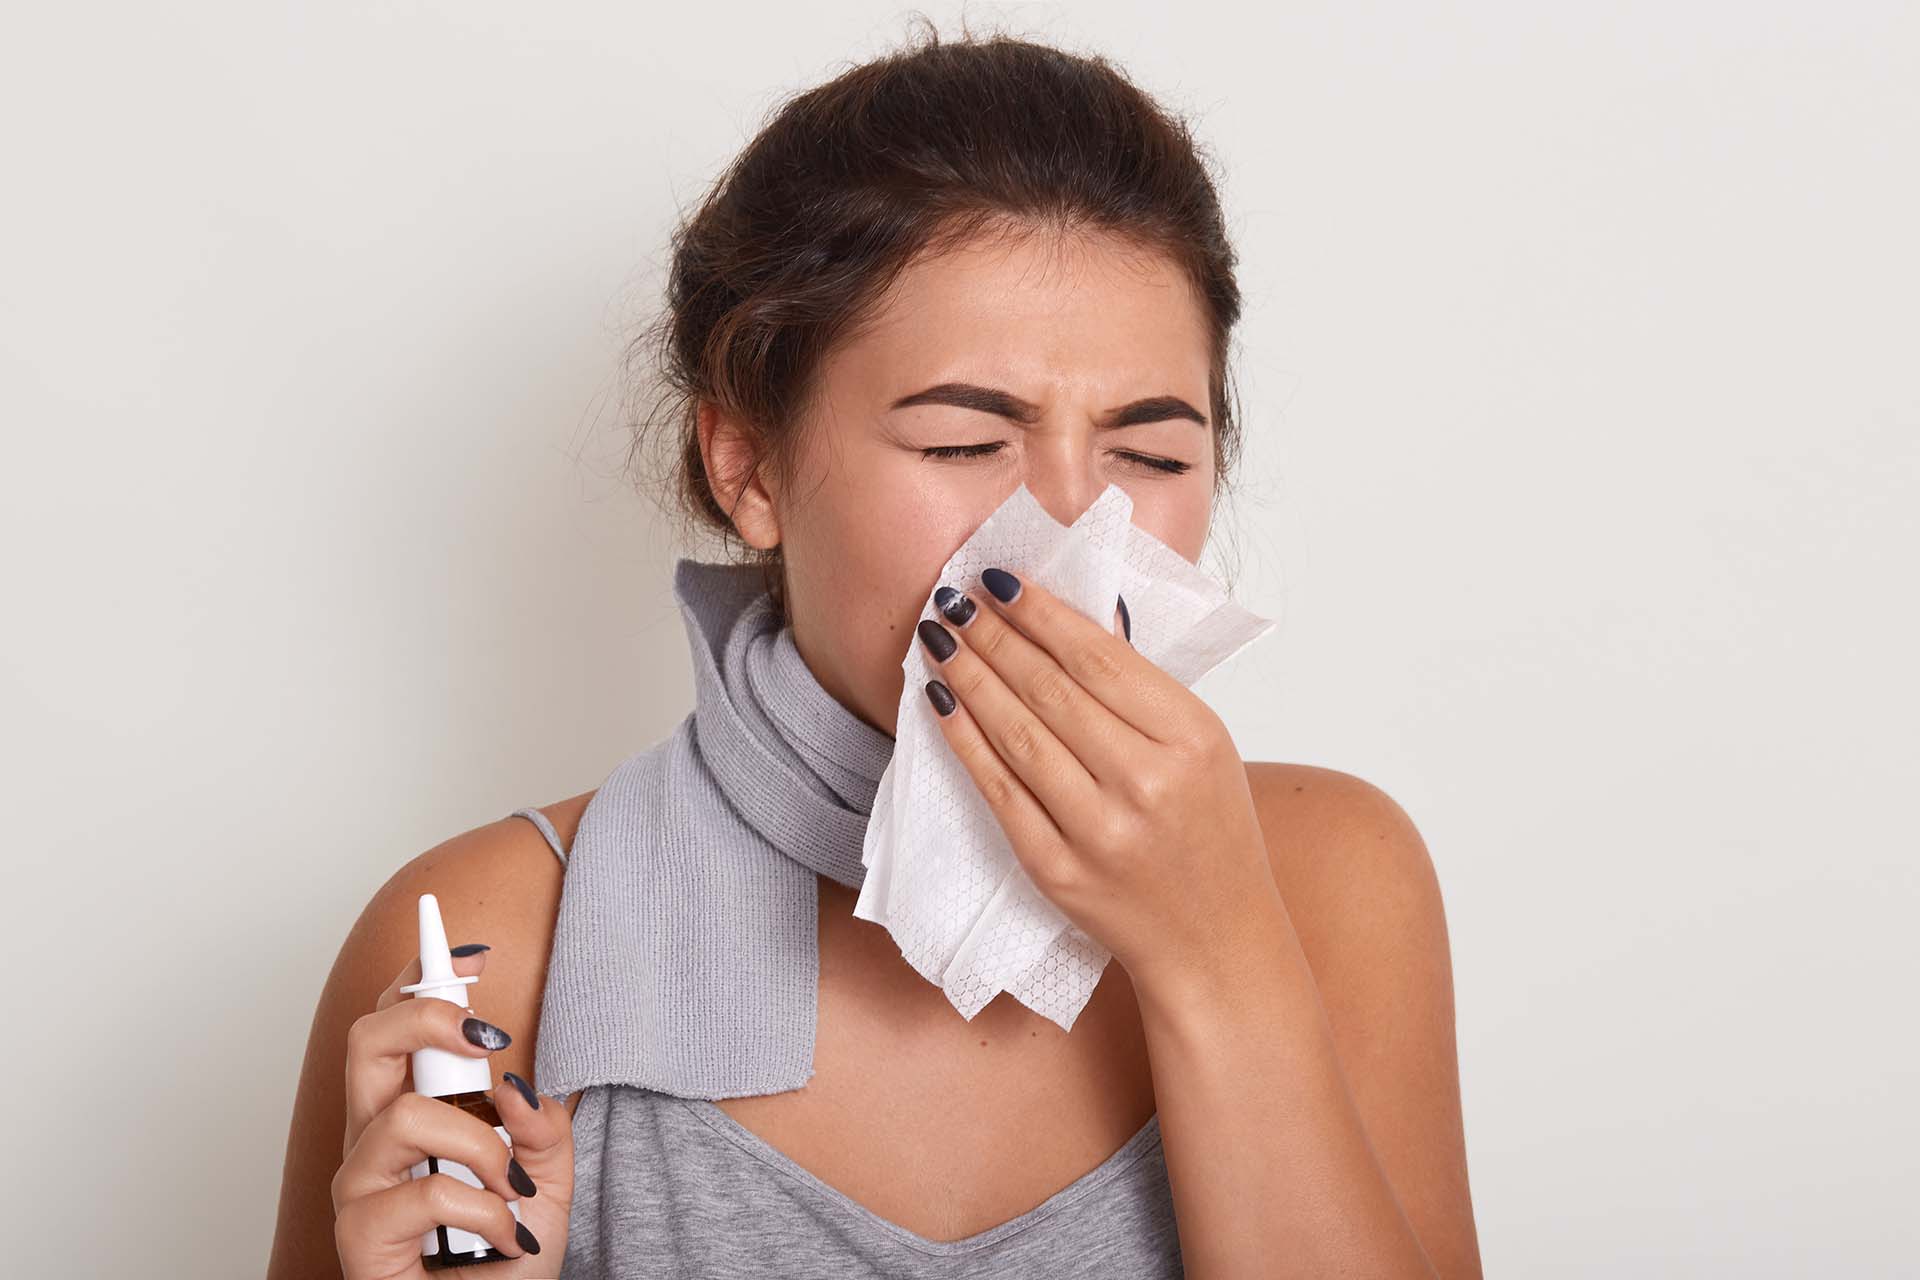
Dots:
{"x": 442, "y": 1258}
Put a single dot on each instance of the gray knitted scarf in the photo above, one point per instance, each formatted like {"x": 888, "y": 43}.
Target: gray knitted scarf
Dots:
{"x": 686, "y": 953}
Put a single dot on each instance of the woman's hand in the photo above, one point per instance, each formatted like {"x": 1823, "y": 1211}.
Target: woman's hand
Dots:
{"x": 1119, "y": 789}
{"x": 381, "y": 1211}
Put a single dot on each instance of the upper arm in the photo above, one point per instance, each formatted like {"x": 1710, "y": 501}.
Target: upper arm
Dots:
{"x": 1361, "y": 890}
{"x": 498, "y": 884}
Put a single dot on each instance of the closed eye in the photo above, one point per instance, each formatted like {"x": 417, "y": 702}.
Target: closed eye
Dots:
{"x": 1170, "y": 465}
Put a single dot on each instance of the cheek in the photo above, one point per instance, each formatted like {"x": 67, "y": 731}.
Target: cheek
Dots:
{"x": 902, "y": 519}
{"x": 877, "y": 555}
{"x": 893, "y": 550}
{"x": 1178, "y": 519}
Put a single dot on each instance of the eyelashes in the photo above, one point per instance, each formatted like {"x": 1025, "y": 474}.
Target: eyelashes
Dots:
{"x": 1169, "y": 465}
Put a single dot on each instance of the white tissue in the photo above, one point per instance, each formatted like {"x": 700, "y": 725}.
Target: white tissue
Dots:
{"x": 941, "y": 876}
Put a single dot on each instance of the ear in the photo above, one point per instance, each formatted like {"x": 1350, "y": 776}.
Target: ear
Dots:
{"x": 733, "y": 471}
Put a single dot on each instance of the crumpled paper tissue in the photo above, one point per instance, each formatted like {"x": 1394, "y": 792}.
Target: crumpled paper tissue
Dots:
{"x": 941, "y": 876}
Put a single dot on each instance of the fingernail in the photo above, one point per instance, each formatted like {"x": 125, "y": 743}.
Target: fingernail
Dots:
{"x": 469, "y": 949}
{"x": 528, "y": 1241}
{"x": 938, "y": 639}
{"x": 957, "y": 608}
{"x": 484, "y": 1034}
{"x": 1126, "y": 623}
{"x": 1003, "y": 584}
{"x": 517, "y": 1179}
{"x": 941, "y": 697}
{"x": 526, "y": 1090}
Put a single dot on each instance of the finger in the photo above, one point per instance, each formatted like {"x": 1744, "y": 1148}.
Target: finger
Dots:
{"x": 542, "y": 1128}
{"x": 1025, "y": 741}
{"x": 1036, "y": 841}
{"x": 1099, "y": 740}
{"x": 379, "y": 1234}
{"x": 463, "y": 965}
{"x": 1105, "y": 665}
{"x": 416, "y": 1127}
{"x": 380, "y": 1045}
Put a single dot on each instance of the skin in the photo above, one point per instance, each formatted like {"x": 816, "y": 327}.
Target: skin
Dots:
{"x": 1359, "y": 964}
{"x": 1128, "y": 806}
{"x": 1075, "y": 326}
{"x": 1124, "y": 799}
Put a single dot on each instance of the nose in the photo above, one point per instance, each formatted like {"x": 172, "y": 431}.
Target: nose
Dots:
{"x": 1061, "y": 474}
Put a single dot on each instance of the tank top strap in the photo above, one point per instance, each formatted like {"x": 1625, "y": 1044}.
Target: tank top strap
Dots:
{"x": 539, "y": 820}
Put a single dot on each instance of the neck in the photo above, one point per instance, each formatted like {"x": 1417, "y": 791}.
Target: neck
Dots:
{"x": 796, "y": 761}
{"x": 824, "y": 675}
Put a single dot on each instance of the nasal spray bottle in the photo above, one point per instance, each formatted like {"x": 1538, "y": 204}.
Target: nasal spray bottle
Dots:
{"x": 456, "y": 1079}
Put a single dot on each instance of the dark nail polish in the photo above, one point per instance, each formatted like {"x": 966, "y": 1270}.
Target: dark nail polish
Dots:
{"x": 938, "y": 639}
{"x": 526, "y": 1090}
{"x": 1126, "y": 623}
{"x": 941, "y": 697}
{"x": 485, "y": 1034}
{"x": 957, "y": 608}
{"x": 528, "y": 1241}
{"x": 1003, "y": 584}
{"x": 469, "y": 949}
{"x": 517, "y": 1179}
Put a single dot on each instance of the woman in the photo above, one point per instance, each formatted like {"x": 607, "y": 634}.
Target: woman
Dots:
{"x": 946, "y": 273}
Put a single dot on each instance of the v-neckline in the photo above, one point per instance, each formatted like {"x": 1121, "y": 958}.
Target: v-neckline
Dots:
{"x": 1142, "y": 1141}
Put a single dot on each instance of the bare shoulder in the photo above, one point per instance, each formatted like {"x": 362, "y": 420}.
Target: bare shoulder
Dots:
{"x": 1359, "y": 884}
{"x": 1364, "y": 900}
{"x": 1337, "y": 838}
{"x": 499, "y": 884}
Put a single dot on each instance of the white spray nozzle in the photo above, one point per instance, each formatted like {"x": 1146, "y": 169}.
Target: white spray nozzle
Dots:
{"x": 437, "y": 977}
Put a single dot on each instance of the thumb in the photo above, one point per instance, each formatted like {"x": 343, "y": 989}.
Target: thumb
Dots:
{"x": 542, "y": 1130}
{"x": 542, "y": 1133}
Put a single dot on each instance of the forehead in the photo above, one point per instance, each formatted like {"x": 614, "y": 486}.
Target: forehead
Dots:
{"x": 1044, "y": 307}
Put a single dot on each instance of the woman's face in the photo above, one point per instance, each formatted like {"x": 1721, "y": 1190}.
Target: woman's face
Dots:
{"x": 1058, "y": 336}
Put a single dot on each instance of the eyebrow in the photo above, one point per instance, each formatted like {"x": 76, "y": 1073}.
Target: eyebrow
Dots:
{"x": 966, "y": 395}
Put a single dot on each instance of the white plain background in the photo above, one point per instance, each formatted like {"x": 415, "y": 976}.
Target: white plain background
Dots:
{"x": 1579, "y": 376}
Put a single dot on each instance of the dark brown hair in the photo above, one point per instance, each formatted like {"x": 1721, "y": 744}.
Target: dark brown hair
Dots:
{"x": 895, "y": 159}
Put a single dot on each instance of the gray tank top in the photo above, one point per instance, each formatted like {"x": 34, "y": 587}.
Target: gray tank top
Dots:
{"x": 673, "y": 1186}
